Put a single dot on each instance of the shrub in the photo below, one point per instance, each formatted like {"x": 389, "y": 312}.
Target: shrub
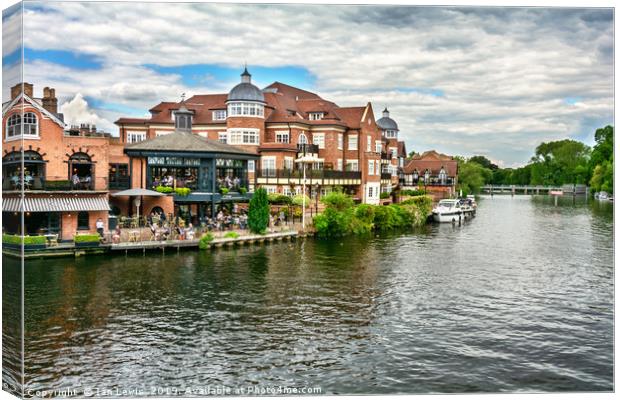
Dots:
{"x": 384, "y": 195}
{"x": 224, "y": 190}
{"x": 17, "y": 239}
{"x": 207, "y": 238}
{"x": 163, "y": 189}
{"x": 182, "y": 191}
{"x": 86, "y": 238}
{"x": 277, "y": 198}
{"x": 243, "y": 190}
{"x": 298, "y": 200}
{"x": 333, "y": 222}
{"x": 337, "y": 200}
{"x": 231, "y": 235}
{"x": 412, "y": 192}
{"x": 258, "y": 213}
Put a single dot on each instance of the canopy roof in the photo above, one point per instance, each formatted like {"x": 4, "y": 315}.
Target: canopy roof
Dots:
{"x": 138, "y": 192}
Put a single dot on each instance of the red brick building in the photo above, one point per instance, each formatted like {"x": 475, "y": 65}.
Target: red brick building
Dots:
{"x": 435, "y": 172}
{"x": 280, "y": 123}
{"x": 58, "y": 175}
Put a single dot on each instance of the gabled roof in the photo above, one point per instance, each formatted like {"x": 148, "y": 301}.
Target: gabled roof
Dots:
{"x": 352, "y": 116}
{"x": 34, "y": 104}
{"x": 185, "y": 142}
{"x": 433, "y": 161}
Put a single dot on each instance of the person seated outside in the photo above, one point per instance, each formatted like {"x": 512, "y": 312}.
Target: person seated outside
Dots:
{"x": 116, "y": 236}
{"x": 236, "y": 182}
{"x": 180, "y": 232}
{"x": 189, "y": 232}
{"x": 86, "y": 182}
{"x": 228, "y": 182}
{"x": 75, "y": 181}
{"x": 154, "y": 231}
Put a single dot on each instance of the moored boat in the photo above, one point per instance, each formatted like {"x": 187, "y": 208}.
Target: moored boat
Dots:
{"x": 448, "y": 210}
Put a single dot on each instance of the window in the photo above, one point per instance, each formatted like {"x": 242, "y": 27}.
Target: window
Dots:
{"x": 288, "y": 163}
{"x": 243, "y": 136}
{"x": 219, "y": 115}
{"x": 377, "y": 146}
{"x": 370, "y": 192}
{"x": 82, "y": 220}
{"x": 251, "y": 166}
{"x": 268, "y": 165}
{"x": 368, "y": 143}
{"x": 118, "y": 176}
{"x": 245, "y": 109}
{"x": 339, "y": 165}
{"x": 352, "y": 145}
{"x": 135, "y": 136}
{"x": 222, "y": 137}
{"x": 442, "y": 175}
{"x": 394, "y": 152}
{"x": 182, "y": 121}
{"x": 315, "y": 116}
{"x": 371, "y": 167}
{"x": 282, "y": 137}
{"x": 391, "y": 134}
{"x": 352, "y": 165}
{"x": 378, "y": 167}
{"x": 270, "y": 189}
{"x": 340, "y": 141}
{"x": 302, "y": 139}
{"x": 14, "y": 125}
{"x": 319, "y": 140}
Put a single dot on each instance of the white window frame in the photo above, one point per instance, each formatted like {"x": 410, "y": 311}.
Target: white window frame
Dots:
{"x": 20, "y": 126}
{"x": 371, "y": 167}
{"x": 288, "y": 163}
{"x": 340, "y": 141}
{"x": 352, "y": 162}
{"x": 394, "y": 152}
{"x": 251, "y": 166}
{"x": 245, "y": 109}
{"x": 377, "y": 167}
{"x": 352, "y": 142}
{"x": 222, "y": 135}
{"x": 305, "y": 138}
{"x": 368, "y": 143}
{"x": 244, "y": 136}
{"x": 318, "y": 138}
{"x": 136, "y": 136}
{"x": 339, "y": 164}
{"x": 283, "y": 137}
{"x": 219, "y": 115}
{"x": 378, "y": 146}
{"x": 271, "y": 170}
{"x": 270, "y": 188}
{"x": 315, "y": 116}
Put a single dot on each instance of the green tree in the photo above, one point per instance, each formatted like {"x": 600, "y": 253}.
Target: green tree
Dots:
{"x": 485, "y": 162}
{"x": 472, "y": 176}
{"x": 258, "y": 213}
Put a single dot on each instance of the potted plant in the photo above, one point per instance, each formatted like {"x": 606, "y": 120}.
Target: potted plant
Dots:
{"x": 224, "y": 191}
{"x": 30, "y": 242}
{"x": 87, "y": 240}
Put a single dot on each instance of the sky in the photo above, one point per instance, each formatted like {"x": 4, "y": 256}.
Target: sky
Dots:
{"x": 464, "y": 81}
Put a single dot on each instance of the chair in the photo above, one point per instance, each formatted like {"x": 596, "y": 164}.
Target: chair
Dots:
{"x": 54, "y": 240}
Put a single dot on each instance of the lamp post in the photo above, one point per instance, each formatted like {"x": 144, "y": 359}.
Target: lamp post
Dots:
{"x": 303, "y": 161}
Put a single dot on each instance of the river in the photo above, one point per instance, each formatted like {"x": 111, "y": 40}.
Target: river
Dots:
{"x": 520, "y": 299}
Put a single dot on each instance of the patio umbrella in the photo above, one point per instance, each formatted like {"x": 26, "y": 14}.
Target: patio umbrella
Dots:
{"x": 138, "y": 192}
{"x": 305, "y": 160}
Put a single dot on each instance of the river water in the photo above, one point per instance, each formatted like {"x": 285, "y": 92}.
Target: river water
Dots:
{"x": 518, "y": 299}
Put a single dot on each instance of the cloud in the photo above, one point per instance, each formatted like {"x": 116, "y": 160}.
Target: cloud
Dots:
{"x": 504, "y": 73}
{"x": 76, "y": 111}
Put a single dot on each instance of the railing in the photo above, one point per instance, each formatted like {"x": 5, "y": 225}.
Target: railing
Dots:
{"x": 431, "y": 181}
{"x": 308, "y": 148}
{"x": 39, "y": 183}
{"x": 310, "y": 174}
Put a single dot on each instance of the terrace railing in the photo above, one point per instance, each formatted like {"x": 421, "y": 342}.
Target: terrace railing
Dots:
{"x": 295, "y": 174}
{"x": 431, "y": 181}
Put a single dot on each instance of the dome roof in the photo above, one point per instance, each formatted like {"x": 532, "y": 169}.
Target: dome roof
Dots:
{"x": 246, "y": 91}
{"x": 387, "y": 123}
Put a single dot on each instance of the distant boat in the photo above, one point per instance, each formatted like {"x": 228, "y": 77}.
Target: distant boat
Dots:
{"x": 603, "y": 196}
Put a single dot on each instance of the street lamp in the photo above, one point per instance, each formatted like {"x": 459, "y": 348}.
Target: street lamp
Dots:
{"x": 303, "y": 161}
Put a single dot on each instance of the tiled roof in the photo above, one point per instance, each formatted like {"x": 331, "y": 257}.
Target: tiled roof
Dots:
{"x": 434, "y": 166}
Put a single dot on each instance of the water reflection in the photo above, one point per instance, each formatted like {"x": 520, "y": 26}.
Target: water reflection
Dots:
{"x": 520, "y": 298}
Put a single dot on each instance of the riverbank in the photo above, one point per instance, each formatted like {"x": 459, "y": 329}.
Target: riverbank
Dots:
{"x": 70, "y": 250}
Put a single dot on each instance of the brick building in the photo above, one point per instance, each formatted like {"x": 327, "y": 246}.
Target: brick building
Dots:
{"x": 280, "y": 123}
{"x": 58, "y": 175}
{"x": 432, "y": 171}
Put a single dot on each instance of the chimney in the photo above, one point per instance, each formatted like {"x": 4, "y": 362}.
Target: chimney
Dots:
{"x": 17, "y": 89}
{"x": 50, "y": 102}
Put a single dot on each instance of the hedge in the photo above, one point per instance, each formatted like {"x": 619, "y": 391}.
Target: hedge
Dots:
{"x": 164, "y": 189}
{"x": 87, "y": 238}
{"x": 207, "y": 238}
{"x": 17, "y": 239}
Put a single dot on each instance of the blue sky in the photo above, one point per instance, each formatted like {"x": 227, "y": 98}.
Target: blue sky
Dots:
{"x": 490, "y": 81}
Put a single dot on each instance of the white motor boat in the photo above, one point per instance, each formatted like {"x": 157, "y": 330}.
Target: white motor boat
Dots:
{"x": 448, "y": 210}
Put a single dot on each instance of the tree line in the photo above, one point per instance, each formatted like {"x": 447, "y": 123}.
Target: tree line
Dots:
{"x": 553, "y": 163}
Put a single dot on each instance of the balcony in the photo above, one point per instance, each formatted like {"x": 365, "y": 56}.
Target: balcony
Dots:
{"x": 308, "y": 148}
{"x": 39, "y": 183}
{"x": 408, "y": 180}
{"x": 313, "y": 176}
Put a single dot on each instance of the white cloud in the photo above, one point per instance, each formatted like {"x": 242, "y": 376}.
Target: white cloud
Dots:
{"x": 504, "y": 73}
{"x": 76, "y": 111}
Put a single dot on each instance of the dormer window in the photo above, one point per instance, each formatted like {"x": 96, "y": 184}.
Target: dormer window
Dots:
{"x": 219, "y": 115}
{"x": 391, "y": 134}
{"x": 443, "y": 175}
{"x": 315, "y": 116}
{"x": 15, "y": 127}
{"x": 182, "y": 121}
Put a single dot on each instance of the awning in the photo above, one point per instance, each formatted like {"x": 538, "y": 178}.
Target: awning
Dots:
{"x": 56, "y": 203}
{"x": 138, "y": 192}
